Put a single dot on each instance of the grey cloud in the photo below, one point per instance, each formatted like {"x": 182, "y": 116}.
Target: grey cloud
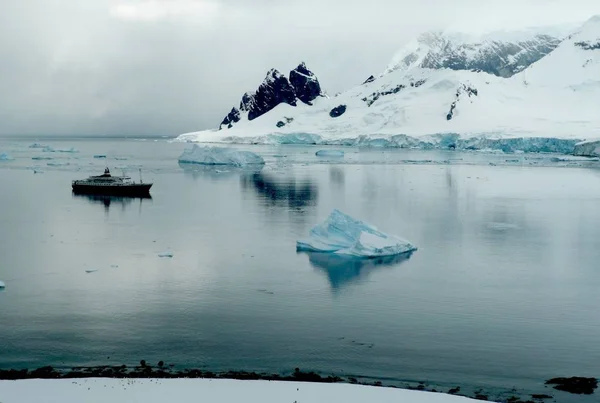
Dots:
{"x": 73, "y": 67}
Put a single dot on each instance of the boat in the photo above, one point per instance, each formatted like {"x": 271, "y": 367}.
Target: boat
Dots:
{"x": 107, "y": 184}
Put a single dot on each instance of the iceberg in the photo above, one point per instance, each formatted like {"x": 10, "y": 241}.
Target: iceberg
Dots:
{"x": 5, "y": 157}
{"x": 587, "y": 149}
{"x": 344, "y": 235}
{"x": 2, "y": 285}
{"x": 219, "y": 156}
{"x": 329, "y": 153}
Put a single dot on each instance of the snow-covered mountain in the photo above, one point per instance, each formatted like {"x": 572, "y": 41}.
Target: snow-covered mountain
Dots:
{"x": 550, "y": 105}
{"x": 500, "y": 53}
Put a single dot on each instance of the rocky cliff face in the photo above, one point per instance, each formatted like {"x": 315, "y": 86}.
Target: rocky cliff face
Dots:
{"x": 305, "y": 84}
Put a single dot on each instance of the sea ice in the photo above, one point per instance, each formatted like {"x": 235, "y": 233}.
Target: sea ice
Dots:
{"x": 165, "y": 254}
{"x": 219, "y": 156}
{"x": 5, "y": 157}
{"x": 329, "y": 153}
{"x": 344, "y": 235}
{"x": 49, "y": 149}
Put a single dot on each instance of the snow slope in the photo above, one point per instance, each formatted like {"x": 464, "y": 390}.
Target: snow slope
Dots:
{"x": 100, "y": 390}
{"x": 549, "y": 106}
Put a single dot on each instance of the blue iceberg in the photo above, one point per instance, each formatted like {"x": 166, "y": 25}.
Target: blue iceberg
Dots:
{"x": 344, "y": 235}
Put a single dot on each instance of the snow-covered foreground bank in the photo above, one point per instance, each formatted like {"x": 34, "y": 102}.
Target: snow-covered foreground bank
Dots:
{"x": 205, "y": 390}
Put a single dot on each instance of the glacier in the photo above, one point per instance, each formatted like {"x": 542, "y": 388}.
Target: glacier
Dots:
{"x": 219, "y": 156}
{"x": 343, "y": 235}
{"x": 548, "y": 106}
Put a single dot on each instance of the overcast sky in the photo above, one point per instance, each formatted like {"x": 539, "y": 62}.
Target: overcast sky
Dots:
{"x": 154, "y": 67}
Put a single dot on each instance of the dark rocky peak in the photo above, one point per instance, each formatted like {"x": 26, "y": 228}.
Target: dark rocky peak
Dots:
{"x": 274, "y": 90}
{"x": 231, "y": 118}
{"x": 305, "y": 83}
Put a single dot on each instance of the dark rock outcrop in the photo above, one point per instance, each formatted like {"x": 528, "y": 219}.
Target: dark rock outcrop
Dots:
{"x": 369, "y": 80}
{"x": 231, "y": 118}
{"x": 305, "y": 83}
{"x": 588, "y": 45}
{"x": 576, "y": 384}
{"x": 463, "y": 89}
{"x": 337, "y": 111}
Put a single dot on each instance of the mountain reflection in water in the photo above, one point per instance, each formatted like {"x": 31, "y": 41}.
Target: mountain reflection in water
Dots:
{"x": 342, "y": 269}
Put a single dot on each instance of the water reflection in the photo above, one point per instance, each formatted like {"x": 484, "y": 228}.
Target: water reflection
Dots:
{"x": 337, "y": 177}
{"x": 343, "y": 270}
{"x": 216, "y": 172}
{"x": 108, "y": 200}
{"x": 282, "y": 192}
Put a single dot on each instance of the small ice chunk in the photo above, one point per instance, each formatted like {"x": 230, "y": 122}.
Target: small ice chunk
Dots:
{"x": 219, "y": 156}
{"x": 344, "y": 235}
{"x": 114, "y": 266}
{"x": 329, "y": 153}
{"x": 41, "y": 158}
{"x": 2, "y": 285}
{"x": 165, "y": 254}
{"x": 5, "y": 157}
{"x": 49, "y": 149}
{"x": 99, "y": 156}
{"x": 57, "y": 164}
{"x": 91, "y": 270}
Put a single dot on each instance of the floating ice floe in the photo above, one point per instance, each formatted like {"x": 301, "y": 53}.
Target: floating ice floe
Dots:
{"x": 219, "y": 156}
{"x": 99, "y": 156}
{"x": 41, "y": 158}
{"x": 165, "y": 254}
{"x": 5, "y": 157}
{"x": 344, "y": 235}
{"x": 57, "y": 164}
{"x": 38, "y": 145}
{"x": 329, "y": 153}
{"x": 2, "y": 285}
{"x": 91, "y": 270}
{"x": 49, "y": 149}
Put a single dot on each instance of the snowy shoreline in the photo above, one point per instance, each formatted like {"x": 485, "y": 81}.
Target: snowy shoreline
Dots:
{"x": 217, "y": 390}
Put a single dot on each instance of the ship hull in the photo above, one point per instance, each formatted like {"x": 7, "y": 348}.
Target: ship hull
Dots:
{"x": 133, "y": 190}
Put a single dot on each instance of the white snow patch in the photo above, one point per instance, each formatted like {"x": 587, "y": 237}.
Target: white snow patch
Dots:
{"x": 344, "y": 235}
{"x": 99, "y": 390}
{"x": 219, "y": 156}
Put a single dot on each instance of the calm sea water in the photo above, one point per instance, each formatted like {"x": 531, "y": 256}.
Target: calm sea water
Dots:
{"x": 502, "y": 293}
